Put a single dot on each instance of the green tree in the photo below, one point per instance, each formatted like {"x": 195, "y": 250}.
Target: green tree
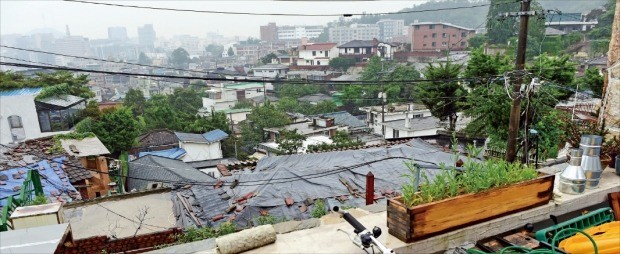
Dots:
{"x": 290, "y": 141}
{"x": 186, "y": 103}
{"x": 602, "y": 31}
{"x": 477, "y": 41}
{"x": 266, "y": 116}
{"x": 444, "y": 97}
{"x": 296, "y": 90}
{"x": 53, "y": 84}
{"x": 217, "y": 120}
{"x": 144, "y": 59}
{"x": 134, "y": 100}
{"x": 592, "y": 80}
{"x": 267, "y": 59}
{"x": 231, "y": 52}
{"x": 482, "y": 67}
{"x": 499, "y": 31}
{"x": 215, "y": 50}
{"x": 288, "y": 104}
{"x": 116, "y": 129}
{"x": 179, "y": 58}
{"x": 243, "y": 104}
{"x": 91, "y": 110}
{"x": 160, "y": 114}
{"x": 341, "y": 63}
{"x": 559, "y": 71}
{"x": 323, "y": 107}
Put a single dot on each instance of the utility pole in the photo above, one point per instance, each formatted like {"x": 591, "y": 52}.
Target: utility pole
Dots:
{"x": 515, "y": 111}
{"x": 264, "y": 92}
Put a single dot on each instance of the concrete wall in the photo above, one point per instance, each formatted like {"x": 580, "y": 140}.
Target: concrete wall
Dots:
{"x": 201, "y": 151}
{"x": 389, "y": 116}
{"x": 138, "y": 244}
{"x": 389, "y": 131}
{"x": 23, "y": 106}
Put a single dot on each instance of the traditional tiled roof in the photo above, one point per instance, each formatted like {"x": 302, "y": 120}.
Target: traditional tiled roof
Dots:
{"x": 209, "y": 137}
{"x": 157, "y": 137}
{"x": 165, "y": 170}
{"x": 319, "y": 46}
{"x": 359, "y": 44}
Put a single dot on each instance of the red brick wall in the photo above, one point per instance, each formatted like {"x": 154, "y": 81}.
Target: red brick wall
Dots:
{"x": 422, "y": 37}
{"x": 138, "y": 244}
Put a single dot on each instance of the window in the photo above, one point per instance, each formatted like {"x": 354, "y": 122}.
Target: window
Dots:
{"x": 15, "y": 122}
{"x": 425, "y": 36}
{"x": 444, "y": 43}
{"x": 445, "y": 27}
{"x": 463, "y": 34}
{"x": 444, "y": 35}
{"x": 313, "y": 53}
{"x": 395, "y": 133}
{"x": 434, "y": 35}
{"x": 454, "y": 35}
{"x": 463, "y": 44}
{"x": 434, "y": 44}
{"x": 431, "y": 26}
{"x": 416, "y": 116}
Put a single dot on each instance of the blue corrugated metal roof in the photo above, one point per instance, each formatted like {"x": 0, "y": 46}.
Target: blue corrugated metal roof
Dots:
{"x": 174, "y": 153}
{"x": 53, "y": 179}
{"x": 215, "y": 135}
{"x": 21, "y": 91}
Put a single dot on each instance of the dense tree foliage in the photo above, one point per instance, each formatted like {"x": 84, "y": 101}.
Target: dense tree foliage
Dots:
{"x": 341, "y": 63}
{"x": 499, "y": 31}
{"x": 180, "y": 58}
{"x": 265, "y": 116}
{"x": 144, "y": 59}
{"x": 267, "y": 59}
{"x": 592, "y": 80}
{"x": 134, "y": 100}
{"x": 445, "y": 96}
{"x": 53, "y": 84}
{"x": 290, "y": 141}
{"x": 215, "y": 50}
{"x": 296, "y": 90}
{"x": 117, "y": 129}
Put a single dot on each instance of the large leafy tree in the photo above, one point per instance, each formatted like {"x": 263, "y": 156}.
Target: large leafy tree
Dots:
{"x": 341, "y": 63}
{"x": 593, "y": 81}
{"x": 160, "y": 114}
{"x": 445, "y": 96}
{"x": 261, "y": 117}
{"x": 185, "y": 102}
{"x": 117, "y": 129}
{"x": 215, "y": 50}
{"x": 134, "y": 100}
{"x": 267, "y": 59}
{"x": 179, "y": 58}
{"x": 295, "y": 90}
{"x": 217, "y": 120}
{"x": 290, "y": 141}
{"x": 53, "y": 84}
{"x": 499, "y": 31}
{"x": 144, "y": 59}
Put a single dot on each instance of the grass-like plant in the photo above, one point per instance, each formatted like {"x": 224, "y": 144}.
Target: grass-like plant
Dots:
{"x": 319, "y": 209}
{"x": 475, "y": 176}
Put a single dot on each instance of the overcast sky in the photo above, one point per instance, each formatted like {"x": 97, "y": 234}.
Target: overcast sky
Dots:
{"x": 18, "y": 16}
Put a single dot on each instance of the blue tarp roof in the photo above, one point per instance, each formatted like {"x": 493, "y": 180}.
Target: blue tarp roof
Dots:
{"x": 21, "y": 91}
{"x": 215, "y": 135}
{"x": 174, "y": 153}
{"x": 53, "y": 179}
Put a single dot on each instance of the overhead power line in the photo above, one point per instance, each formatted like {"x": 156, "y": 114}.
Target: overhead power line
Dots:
{"x": 102, "y": 60}
{"x": 285, "y": 14}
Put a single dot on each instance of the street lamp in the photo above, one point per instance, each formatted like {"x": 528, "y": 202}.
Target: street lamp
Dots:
{"x": 534, "y": 133}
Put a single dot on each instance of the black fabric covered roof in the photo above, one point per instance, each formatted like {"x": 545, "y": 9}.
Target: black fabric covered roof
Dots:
{"x": 162, "y": 169}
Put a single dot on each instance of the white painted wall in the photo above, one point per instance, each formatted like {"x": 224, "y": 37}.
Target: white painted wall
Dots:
{"x": 201, "y": 151}
{"x": 270, "y": 73}
{"x": 23, "y": 106}
{"x": 390, "y": 116}
{"x": 389, "y": 131}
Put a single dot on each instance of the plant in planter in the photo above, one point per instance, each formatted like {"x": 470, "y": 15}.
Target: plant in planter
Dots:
{"x": 610, "y": 149}
{"x": 481, "y": 191}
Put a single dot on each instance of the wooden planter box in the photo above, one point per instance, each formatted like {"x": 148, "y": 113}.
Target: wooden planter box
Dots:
{"x": 414, "y": 223}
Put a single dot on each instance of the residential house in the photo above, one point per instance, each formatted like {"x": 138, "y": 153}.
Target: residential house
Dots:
{"x": 376, "y": 115}
{"x": 155, "y": 140}
{"x": 226, "y": 95}
{"x": 24, "y": 117}
{"x": 361, "y": 51}
{"x": 311, "y": 75}
{"x": 79, "y": 165}
{"x": 317, "y": 54}
{"x": 295, "y": 198}
{"x": 318, "y": 126}
{"x": 201, "y": 147}
{"x": 414, "y": 127}
{"x": 151, "y": 172}
{"x": 344, "y": 118}
{"x": 315, "y": 98}
{"x": 270, "y": 70}
{"x": 427, "y": 36}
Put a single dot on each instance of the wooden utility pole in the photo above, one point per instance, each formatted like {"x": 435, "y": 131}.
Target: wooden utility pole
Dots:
{"x": 515, "y": 111}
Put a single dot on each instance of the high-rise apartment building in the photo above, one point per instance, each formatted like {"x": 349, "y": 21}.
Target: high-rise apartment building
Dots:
{"x": 146, "y": 36}
{"x": 269, "y": 32}
{"x": 298, "y": 32}
{"x": 117, "y": 33}
{"x": 343, "y": 35}
{"x": 73, "y": 46}
{"x": 390, "y": 28}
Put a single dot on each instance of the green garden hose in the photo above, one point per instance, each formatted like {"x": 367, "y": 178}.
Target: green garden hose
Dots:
{"x": 516, "y": 249}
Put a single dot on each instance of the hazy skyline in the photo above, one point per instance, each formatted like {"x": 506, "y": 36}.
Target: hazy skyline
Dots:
{"x": 92, "y": 21}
